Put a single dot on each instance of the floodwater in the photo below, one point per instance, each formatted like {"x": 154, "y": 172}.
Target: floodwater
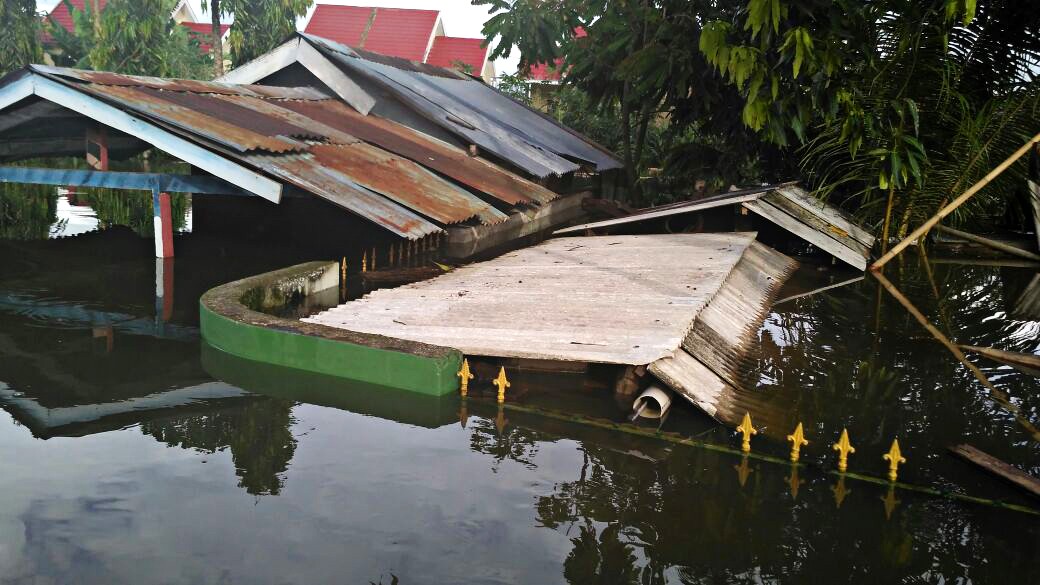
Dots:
{"x": 132, "y": 453}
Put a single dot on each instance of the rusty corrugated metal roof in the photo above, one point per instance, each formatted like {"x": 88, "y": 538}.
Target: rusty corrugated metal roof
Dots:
{"x": 474, "y": 111}
{"x": 428, "y": 151}
{"x": 187, "y": 85}
{"x": 406, "y": 183}
{"x": 203, "y": 121}
{"x": 305, "y": 172}
{"x": 296, "y": 136}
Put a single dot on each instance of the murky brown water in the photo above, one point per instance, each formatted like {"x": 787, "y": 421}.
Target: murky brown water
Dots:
{"x": 130, "y": 453}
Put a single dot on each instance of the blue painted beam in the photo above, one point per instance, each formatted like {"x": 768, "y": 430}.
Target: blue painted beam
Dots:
{"x": 161, "y": 182}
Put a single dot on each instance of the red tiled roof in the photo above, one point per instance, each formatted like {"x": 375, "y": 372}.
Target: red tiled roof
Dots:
{"x": 343, "y": 24}
{"x": 400, "y": 32}
{"x": 202, "y": 31}
{"x": 447, "y": 51}
{"x": 397, "y": 32}
{"x": 546, "y": 72}
{"x": 62, "y": 17}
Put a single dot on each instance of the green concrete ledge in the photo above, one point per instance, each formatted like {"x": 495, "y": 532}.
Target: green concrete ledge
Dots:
{"x": 230, "y": 323}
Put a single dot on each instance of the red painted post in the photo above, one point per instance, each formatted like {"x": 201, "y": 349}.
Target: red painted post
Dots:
{"x": 97, "y": 148}
{"x": 162, "y": 217}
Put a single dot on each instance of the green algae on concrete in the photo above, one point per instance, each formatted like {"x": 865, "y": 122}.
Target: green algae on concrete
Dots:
{"x": 229, "y": 324}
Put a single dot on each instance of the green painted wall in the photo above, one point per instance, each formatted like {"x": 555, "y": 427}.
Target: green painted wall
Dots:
{"x": 229, "y": 326}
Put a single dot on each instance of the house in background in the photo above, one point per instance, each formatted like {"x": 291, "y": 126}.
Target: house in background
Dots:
{"x": 203, "y": 33}
{"x": 415, "y": 35}
{"x": 184, "y": 14}
{"x": 543, "y": 79}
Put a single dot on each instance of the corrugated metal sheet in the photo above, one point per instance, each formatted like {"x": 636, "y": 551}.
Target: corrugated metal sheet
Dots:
{"x": 476, "y": 112}
{"x": 305, "y": 172}
{"x": 406, "y": 183}
{"x": 290, "y": 140}
{"x": 429, "y": 152}
{"x": 212, "y": 127}
{"x": 186, "y": 85}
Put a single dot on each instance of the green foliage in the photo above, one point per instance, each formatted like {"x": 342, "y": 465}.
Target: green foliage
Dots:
{"x": 460, "y": 65}
{"x": 515, "y": 87}
{"x": 27, "y": 211}
{"x": 908, "y": 102}
{"x": 135, "y": 37}
{"x": 637, "y": 60}
{"x": 20, "y": 41}
{"x": 261, "y": 25}
{"x": 865, "y": 100}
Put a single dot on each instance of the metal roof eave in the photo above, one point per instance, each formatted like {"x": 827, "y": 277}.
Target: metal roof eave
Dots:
{"x": 38, "y": 84}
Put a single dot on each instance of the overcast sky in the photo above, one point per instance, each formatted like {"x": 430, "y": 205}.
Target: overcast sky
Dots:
{"x": 461, "y": 19}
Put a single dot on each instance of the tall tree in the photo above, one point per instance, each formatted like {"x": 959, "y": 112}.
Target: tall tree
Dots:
{"x": 20, "y": 41}
{"x": 638, "y": 58}
{"x": 260, "y": 25}
{"x": 132, "y": 37}
{"x": 217, "y": 40}
{"x": 891, "y": 106}
{"x": 897, "y": 106}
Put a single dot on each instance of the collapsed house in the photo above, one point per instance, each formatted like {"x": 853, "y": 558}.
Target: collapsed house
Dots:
{"x": 416, "y": 151}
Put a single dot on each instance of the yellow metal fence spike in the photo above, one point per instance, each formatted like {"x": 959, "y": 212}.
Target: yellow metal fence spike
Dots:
{"x": 894, "y": 458}
{"x": 797, "y": 442}
{"x": 465, "y": 375}
{"x": 502, "y": 382}
{"x": 373, "y": 257}
{"x": 747, "y": 430}
{"x": 844, "y": 448}
{"x": 364, "y": 262}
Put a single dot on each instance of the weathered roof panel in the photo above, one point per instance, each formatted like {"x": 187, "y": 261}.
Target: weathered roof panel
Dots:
{"x": 475, "y": 112}
{"x": 406, "y": 183}
{"x": 427, "y": 151}
{"x": 192, "y": 120}
{"x": 185, "y": 85}
{"x": 305, "y": 172}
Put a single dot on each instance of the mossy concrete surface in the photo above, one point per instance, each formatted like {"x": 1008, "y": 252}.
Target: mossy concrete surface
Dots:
{"x": 228, "y": 324}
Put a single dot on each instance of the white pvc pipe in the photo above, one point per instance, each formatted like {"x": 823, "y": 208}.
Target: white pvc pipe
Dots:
{"x": 653, "y": 403}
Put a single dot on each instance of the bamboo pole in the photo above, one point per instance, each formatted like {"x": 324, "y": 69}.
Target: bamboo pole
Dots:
{"x": 953, "y": 205}
{"x": 1000, "y": 397}
{"x": 989, "y": 243}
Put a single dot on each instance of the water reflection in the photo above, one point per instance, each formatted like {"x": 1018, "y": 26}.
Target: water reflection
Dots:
{"x": 73, "y": 216}
{"x": 39, "y": 212}
{"x": 125, "y": 445}
{"x": 257, "y": 433}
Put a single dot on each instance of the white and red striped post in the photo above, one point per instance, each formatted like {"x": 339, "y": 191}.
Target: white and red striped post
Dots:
{"x": 162, "y": 217}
